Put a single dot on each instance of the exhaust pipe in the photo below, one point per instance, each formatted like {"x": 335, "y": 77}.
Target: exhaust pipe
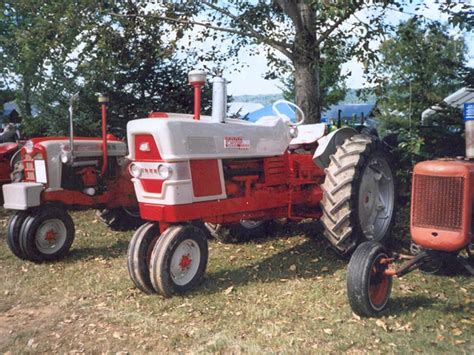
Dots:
{"x": 103, "y": 100}
{"x": 73, "y": 98}
{"x": 219, "y": 99}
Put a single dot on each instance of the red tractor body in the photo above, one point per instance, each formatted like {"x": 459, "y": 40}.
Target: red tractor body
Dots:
{"x": 235, "y": 176}
{"x": 7, "y": 151}
{"x": 62, "y": 173}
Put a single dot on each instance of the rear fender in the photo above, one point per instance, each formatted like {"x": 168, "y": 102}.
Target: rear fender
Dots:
{"x": 328, "y": 144}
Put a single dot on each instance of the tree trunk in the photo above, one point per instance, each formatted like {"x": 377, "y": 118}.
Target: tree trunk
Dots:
{"x": 307, "y": 93}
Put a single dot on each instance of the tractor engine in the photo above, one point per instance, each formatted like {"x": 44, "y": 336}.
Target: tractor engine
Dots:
{"x": 45, "y": 162}
{"x": 441, "y": 209}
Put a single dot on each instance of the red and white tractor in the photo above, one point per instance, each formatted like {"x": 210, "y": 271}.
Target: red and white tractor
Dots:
{"x": 61, "y": 173}
{"x": 9, "y": 162}
{"x": 441, "y": 228}
{"x": 235, "y": 176}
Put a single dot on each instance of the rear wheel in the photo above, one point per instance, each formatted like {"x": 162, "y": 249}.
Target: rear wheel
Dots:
{"x": 13, "y": 233}
{"x": 47, "y": 234}
{"x": 359, "y": 194}
{"x": 240, "y": 232}
{"x": 368, "y": 288}
{"x": 178, "y": 260}
{"x": 139, "y": 254}
{"x": 120, "y": 219}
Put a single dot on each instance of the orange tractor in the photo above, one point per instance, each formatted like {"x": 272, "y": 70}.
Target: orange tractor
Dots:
{"x": 441, "y": 228}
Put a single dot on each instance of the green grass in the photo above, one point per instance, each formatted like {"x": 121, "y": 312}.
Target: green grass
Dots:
{"x": 285, "y": 293}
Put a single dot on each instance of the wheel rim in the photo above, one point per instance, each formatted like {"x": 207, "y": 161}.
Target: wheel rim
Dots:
{"x": 376, "y": 199}
{"x": 379, "y": 283}
{"x": 51, "y": 236}
{"x": 185, "y": 262}
{"x": 250, "y": 224}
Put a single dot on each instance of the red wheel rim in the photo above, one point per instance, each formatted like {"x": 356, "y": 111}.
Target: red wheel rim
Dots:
{"x": 379, "y": 283}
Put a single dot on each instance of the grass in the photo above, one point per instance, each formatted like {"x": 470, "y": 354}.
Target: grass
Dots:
{"x": 285, "y": 293}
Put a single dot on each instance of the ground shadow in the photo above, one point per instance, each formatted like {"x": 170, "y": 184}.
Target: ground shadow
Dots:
{"x": 407, "y": 304}
{"x": 310, "y": 259}
{"x": 118, "y": 249}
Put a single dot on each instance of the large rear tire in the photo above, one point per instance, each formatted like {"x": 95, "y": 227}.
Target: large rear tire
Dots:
{"x": 368, "y": 288}
{"x": 120, "y": 219}
{"x": 47, "y": 234}
{"x": 179, "y": 260}
{"x": 240, "y": 232}
{"x": 139, "y": 254}
{"x": 13, "y": 233}
{"x": 359, "y": 194}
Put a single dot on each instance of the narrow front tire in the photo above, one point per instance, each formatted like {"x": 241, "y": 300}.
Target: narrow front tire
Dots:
{"x": 179, "y": 260}
{"x": 368, "y": 287}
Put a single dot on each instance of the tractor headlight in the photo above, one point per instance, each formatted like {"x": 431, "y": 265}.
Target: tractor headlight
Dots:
{"x": 65, "y": 154}
{"x": 164, "y": 171}
{"x": 29, "y": 146}
{"x": 135, "y": 170}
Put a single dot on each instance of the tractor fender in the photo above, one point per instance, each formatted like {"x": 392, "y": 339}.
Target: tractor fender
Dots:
{"x": 327, "y": 145}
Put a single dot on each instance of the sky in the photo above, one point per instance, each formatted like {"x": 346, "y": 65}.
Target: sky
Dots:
{"x": 250, "y": 81}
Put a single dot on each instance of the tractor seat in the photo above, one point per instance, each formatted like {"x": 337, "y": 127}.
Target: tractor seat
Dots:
{"x": 308, "y": 134}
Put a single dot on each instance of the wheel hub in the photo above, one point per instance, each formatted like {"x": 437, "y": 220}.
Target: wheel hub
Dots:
{"x": 376, "y": 199}
{"x": 50, "y": 236}
{"x": 185, "y": 261}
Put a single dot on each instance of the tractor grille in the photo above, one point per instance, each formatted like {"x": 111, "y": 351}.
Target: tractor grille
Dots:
{"x": 437, "y": 202}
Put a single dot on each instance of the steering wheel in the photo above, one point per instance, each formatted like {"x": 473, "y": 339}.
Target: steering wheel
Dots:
{"x": 285, "y": 117}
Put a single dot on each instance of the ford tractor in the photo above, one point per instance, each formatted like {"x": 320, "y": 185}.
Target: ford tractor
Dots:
{"x": 236, "y": 176}
{"x": 63, "y": 173}
{"x": 441, "y": 228}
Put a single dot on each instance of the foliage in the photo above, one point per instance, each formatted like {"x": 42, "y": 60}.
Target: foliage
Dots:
{"x": 419, "y": 65}
{"x": 307, "y": 40}
{"x": 52, "y": 49}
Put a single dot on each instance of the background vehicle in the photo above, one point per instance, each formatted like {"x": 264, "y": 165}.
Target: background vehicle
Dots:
{"x": 61, "y": 173}
{"x": 236, "y": 176}
{"x": 440, "y": 225}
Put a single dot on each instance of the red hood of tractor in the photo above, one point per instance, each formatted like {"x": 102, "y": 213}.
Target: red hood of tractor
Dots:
{"x": 6, "y": 148}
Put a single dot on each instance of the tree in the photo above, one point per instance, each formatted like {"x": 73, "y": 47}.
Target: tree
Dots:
{"x": 50, "y": 50}
{"x": 298, "y": 31}
{"x": 419, "y": 65}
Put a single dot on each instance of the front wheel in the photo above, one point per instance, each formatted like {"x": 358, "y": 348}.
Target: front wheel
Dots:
{"x": 13, "y": 233}
{"x": 139, "y": 255}
{"x": 179, "y": 260}
{"x": 47, "y": 234}
{"x": 368, "y": 288}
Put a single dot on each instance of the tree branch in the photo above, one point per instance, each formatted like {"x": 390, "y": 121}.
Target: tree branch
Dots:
{"x": 323, "y": 36}
{"x": 281, "y": 46}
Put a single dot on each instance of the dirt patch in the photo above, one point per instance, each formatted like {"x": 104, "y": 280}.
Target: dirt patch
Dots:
{"x": 25, "y": 320}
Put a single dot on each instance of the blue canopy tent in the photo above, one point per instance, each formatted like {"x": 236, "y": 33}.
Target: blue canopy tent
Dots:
{"x": 268, "y": 111}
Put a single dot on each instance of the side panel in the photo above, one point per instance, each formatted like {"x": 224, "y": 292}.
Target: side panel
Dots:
{"x": 205, "y": 177}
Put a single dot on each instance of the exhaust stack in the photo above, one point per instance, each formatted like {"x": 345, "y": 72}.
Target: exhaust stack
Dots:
{"x": 103, "y": 100}
{"x": 73, "y": 98}
{"x": 219, "y": 99}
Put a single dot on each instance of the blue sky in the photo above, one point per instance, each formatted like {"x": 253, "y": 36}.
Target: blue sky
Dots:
{"x": 250, "y": 79}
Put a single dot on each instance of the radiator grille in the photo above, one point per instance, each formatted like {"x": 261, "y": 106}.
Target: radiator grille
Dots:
{"x": 438, "y": 202}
